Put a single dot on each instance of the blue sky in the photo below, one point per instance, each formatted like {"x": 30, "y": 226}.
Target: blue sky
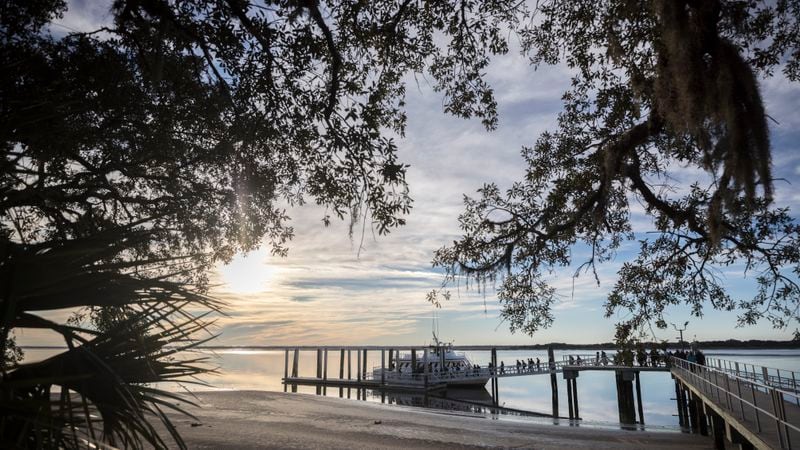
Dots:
{"x": 328, "y": 292}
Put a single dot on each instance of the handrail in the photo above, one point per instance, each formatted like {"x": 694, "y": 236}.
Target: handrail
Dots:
{"x": 699, "y": 376}
{"x": 779, "y": 378}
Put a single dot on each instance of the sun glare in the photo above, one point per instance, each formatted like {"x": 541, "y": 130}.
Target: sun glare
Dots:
{"x": 247, "y": 273}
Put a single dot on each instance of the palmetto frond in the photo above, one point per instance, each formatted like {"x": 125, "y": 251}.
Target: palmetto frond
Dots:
{"x": 101, "y": 389}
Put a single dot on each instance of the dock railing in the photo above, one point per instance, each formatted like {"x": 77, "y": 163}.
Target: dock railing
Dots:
{"x": 761, "y": 407}
{"x": 779, "y": 378}
{"x": 593, "y": 360}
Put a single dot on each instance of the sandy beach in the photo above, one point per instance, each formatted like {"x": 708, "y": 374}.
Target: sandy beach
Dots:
{"x": 258, "y": 419}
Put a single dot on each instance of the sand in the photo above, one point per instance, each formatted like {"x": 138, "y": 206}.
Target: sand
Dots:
{"x": 257, "y": 419}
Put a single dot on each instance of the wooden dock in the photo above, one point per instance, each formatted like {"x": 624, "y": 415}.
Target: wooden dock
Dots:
{"x": 430, "y": 380}
{"x": 738, "y": 408}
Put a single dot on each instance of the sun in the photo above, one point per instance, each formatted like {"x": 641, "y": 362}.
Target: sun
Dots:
{"x": 247, "y": 273}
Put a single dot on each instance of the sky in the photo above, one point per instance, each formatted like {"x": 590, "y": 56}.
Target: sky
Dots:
{"x": 334, "y": 290}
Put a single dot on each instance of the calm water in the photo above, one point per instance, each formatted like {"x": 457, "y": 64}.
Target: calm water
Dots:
{"x": 262, "y": 370}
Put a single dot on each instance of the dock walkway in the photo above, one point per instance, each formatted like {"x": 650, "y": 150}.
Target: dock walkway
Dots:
{"x": 757, "y": 410}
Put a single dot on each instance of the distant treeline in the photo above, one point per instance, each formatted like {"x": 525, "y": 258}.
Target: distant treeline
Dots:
{"x": 729, "y": 343}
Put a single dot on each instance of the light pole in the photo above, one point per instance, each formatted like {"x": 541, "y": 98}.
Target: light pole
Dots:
{"x": 681, "y": 330}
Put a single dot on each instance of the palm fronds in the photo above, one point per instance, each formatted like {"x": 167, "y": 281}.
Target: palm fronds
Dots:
{"x": 102, "y": 388}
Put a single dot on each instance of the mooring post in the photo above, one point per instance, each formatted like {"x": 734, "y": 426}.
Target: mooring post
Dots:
{"x": 325, "y": 365}
{"x": 627, "y": 410}
{"x": 569, "y": 397}
{"x": 286, "y": 365}
{"x": 364, "y": 368}
{"x": 391, "y": 359}
{"x": 358, "y": 365}
{"x": 414, "y": 361}
{"x": 319, "y": 363}
{"x": 681, "y": 418}
{"x": 349, "y": 369}
{"x": 383, "y": 368}
{"x": 687, "y": 421}
{"x": 493, "y": 373}
{"x": 694, "y": 421}
{"x": 718, "y": 429}
{"x": 570, "y": 376}
{"x": 341, "y": 364}
{"x": 575, "y": 395}
{"x": 285, "y": 370}
{"x": 702, "y": 420}
{"x": 294, "y": 367}
{"x": 639, "y": 398}
{"x": 425, "y": 367}
{"x": 551, "y": 364}
{"x": 319, "y": 370}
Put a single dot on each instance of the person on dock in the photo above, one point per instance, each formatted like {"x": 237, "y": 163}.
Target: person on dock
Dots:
{"x": 519, "y": 367}
{"x": 701, "y": 358}
{"x": 654, "y": 357}
{"x": 571, "y": 360}
{"x": 502, "y": 367}
{"x": 641, "y": 357}
{"x": 538, "y": 365}
{"x": 578, "y": 360}
{"x": 597, "y": 358}
{"x": 604, "y": 358}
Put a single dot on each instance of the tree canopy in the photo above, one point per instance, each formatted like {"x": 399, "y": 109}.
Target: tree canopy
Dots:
{"x": 136, "y": 154}
{"x": 658, "y": 86}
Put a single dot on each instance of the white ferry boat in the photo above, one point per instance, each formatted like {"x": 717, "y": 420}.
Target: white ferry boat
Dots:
{"x": 444, "y": 367}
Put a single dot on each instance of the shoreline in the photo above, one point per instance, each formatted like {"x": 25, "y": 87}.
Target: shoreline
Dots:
{"x": 262, "y": 419}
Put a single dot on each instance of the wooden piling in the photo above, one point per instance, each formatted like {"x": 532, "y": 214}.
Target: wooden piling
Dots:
{"x": 625, "y": 401}
{"x": 349, "y": 370}
{"x": 681, "y": 419}
{"x": 575, "y": 396}
{"x": 391, "y": 359}
{"x": 493, "y": 375}
{"x": 684, "y": 407}
{"x": 425, "y": 367}
{"x": 702, "y": 419}
{"x": 358, "y": 365}
{"x": 551, "y": 361}
{"x": 294, "y": 367}
{"x": 383, "y": 368}
{"x": 569, "y": 399}
{"x": 325, "y": 365}
{"x": 639, "y": 399}
{"x": 319, "y": 363}
{"x": 286, "y": 365}
{"x": 285, "y": 370}
{"x": 341, "y": 364}
{"x": 718, "y": 429}
{"x": 691, "y": 405}
{"x": 364, "y": 368}
{"x": 414, "y": 361}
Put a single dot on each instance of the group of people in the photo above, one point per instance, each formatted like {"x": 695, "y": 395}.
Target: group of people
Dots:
{"x": 695, "y": 356}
